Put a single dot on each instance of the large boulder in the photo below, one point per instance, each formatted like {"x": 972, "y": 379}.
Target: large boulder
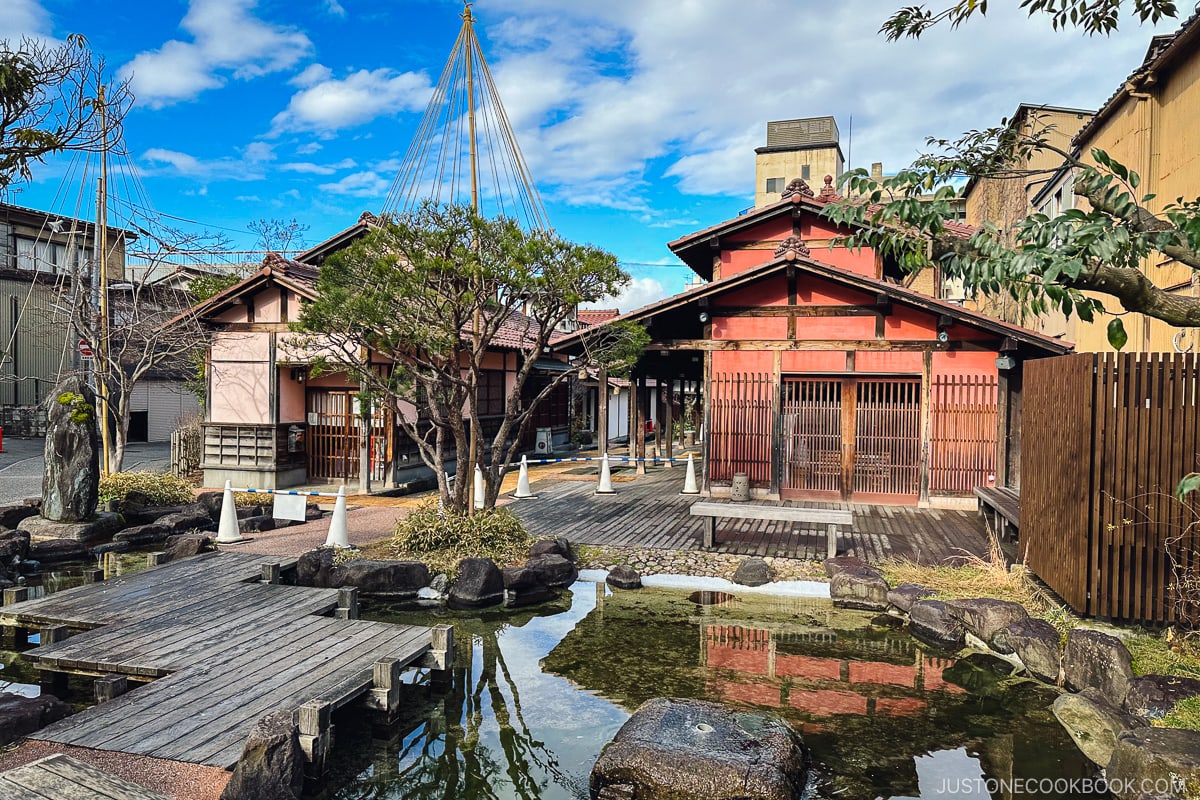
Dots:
{"x": 12, "y": 516}
{"x": 102, "y": 525}
{"x": 191, "y": 518}
{"x": 59, "y": 551}
{"x": 314, "y": 567}
{"x": 1093, "y": 723}
{"x": 13, "y": 543}
{"x": 671, "y": 749}
{"x": 395, "y": 579}
{"x": 1155, "y": 762}
{"x": 985, "y": 617}
{"x": 931, "y": 622}
{"x": 753, "y": 572}
{"x": 71, "y": 481}
{"x": 272, "y": 763}
{"x": 904, "y": 595}
{"x": 21, "y": 716}
{"x": 554, "y": 547}
{"x": 553, "y": 570}
{"x": 624, "y": 577}
{"x": 1098, "y": 660}
{"x": 142, "y": 535}
{"x": 1152, "y": 696}
{"x": 256, "y": 523}
{"x": 211, "y": 500}
{"x": 1036, "y": 643}
{"x": 479, "y": 583}
{"x": 186, "y": 545}
{"x": 862, "y": 588}
{"x": 525, "y": 586}
{"x": 842, "y": 563}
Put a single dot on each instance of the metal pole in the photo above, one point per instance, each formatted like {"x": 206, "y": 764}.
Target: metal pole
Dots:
{"x": 101, "y": 348}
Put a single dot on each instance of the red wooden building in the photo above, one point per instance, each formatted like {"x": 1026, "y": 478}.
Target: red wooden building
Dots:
{"x": 825, "y": 377}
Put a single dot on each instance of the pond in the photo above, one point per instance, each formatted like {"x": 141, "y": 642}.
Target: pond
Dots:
{"x": 537, "y": 692}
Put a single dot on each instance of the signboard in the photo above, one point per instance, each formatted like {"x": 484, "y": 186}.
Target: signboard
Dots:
{"x": 289, "y": 506}
{"x": 85, "y": 348}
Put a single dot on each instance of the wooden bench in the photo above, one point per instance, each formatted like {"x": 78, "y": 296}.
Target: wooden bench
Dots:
{"x": 1004, "y": 507}
{"x": 831, "y": 519}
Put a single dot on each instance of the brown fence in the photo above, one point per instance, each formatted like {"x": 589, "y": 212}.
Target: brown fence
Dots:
{"x": 741, "y": 409}
{"x": 1105, "y": 439}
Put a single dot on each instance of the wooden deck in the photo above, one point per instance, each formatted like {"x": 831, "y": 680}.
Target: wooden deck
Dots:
{"x": 60, "y": 777}
{"x": 220, "y": 648}
{"x": 650, "y": 512}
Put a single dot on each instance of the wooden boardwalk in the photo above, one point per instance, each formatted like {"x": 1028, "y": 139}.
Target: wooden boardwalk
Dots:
{"x": 650, "y": 512}
{"x": 220, "y": 648}
{"x": 60, "y": 777}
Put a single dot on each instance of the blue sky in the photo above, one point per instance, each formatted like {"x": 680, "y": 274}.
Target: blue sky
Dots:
{"x": 638, "y": 118}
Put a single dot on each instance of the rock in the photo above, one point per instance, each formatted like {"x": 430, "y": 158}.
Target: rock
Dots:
{"x": 13, "y": 543}
{"x": 674, "y": 749}
{"x": 71, "y": 481}
{"x": 1152, "y": 696}
{"x": 259, "y": 522}
{"x": 313, "y": 568}
{"x": 517, "y": 579}
{"x": 623, "y": 577}
{"x": 1155, "y": 762}
{"x": 140, "y": 535}
{"x": 111, "y": 547}
{"x": 59, "y": 551}
{"x": 395, "y": 579}
{"x": 102, "y": 526}
{"x": 12, "y": 516}
{"x": 555, "y": 547}
{"x": 931, "y": 622}
{"x": 753, "y": 572}
{"x": 29, "y": 566}
{"x": 190, "y": 519}
{"x": 260, "y": 510}
{"x": 479, "y": 584}
{"x": 553, "y": 571}
{"x": 1098, "y": 660}
{"x": 187, "y": 545}
{"x": 271, "y": 766}
{"x": 211, "y": 500}
{"x": 841, "y": 563}
{"x": 1036, "y": 643}
{"x": 21, "y": 716}
{"x": 312, "y": 511}
{"x": 985, "y": 617}
{"x": 904, "y": 595}
{"x": 1094, "y": 724}
{"x": 862, "y": 588}
{"x": 440, "y": 583}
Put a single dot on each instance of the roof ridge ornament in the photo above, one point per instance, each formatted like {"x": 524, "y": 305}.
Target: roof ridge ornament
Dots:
{"x": 797, "y": 186}
{"x": 828, "y": 193}
{"x": 368, "y": 218}
{"x": 792, "y": 247}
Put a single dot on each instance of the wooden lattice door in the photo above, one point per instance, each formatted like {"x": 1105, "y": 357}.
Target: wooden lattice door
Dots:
{"x": 333, "y": 444}
{"x": 850, "y": 438}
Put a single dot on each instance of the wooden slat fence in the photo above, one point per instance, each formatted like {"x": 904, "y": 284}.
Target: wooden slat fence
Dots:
{"x": 963, "y": 433}
{"x": 740, "y": 440}
{"x": 1106, "y": 437}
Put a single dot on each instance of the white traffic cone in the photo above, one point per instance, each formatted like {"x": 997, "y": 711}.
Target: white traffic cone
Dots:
{"x": 478, "y": 487}
{"x": 605, "y": 486}
{"x": 338, "y": 536}
{"x": 228, "y": 531}
{"x": 689, "y": 481}
{"x": 523, "y": 492}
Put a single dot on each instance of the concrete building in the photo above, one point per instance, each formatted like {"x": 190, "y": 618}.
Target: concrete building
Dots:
{"x": 805, "y": 148}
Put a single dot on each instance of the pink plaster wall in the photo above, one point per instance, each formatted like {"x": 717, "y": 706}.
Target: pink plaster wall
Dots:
{"x": 240, "y": 393}
{"x": 267, "y": 306}
{"x": 291, "y": 397}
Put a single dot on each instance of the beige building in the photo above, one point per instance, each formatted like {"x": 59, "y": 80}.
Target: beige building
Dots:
{"x": 796, "y": 148}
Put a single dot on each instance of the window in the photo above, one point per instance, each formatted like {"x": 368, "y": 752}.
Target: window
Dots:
{"x": 775, "y": 185}
{"x": 36, "y": 256}
{"x": 491, "y": 392}
{"x": 805, "y": 172}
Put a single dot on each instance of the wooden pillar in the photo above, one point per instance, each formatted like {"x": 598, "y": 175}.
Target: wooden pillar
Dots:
{"x": 384, "y": 697}
{"x": 347, "y": 607}
{"x": 668, "y": 420}
{"x": 926, "y": 422}
{"x": 316, "y": 735}
{"x": 776, "y": 422}
{"x": 269, "y": 572}
{"x": 849, "y": 435}
{"x": 1003, "y": 426}
{"x": 635, "y": 423}
{"x": 110, "y": 687}
{"x": 705, "y": 453}
{"x": 366, "y": 421}
{"x": 602, "y": 422}
{"x": 441, "y": 657}
{"x": 55, "y": 683}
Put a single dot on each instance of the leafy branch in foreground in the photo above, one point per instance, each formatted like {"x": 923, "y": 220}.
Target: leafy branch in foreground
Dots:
{"x": 1090, "y": 16}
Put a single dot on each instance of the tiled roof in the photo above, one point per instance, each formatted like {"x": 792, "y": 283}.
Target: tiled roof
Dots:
{"x": 594, "y": 316}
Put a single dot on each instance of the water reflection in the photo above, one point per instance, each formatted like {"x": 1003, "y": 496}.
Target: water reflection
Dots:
{"x": 535, "y": 695}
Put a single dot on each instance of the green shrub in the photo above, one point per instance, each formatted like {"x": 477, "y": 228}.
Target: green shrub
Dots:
{"x": 443, "y": 538}
{"x": 162, "y": 489}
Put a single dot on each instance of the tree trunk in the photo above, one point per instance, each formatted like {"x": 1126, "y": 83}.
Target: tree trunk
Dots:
{"x": 121, "y": 435}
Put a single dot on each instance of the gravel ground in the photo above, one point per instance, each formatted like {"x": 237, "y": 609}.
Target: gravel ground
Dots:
{"x": 175, "y": 779}
{"x": 363, "y": 525}
{"x": 649, "y": 561}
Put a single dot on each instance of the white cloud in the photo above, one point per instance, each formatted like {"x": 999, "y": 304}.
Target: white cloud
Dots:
{"x": 335, "y": 8}
{"x": 162, "y": 161}
{"x": 24, "y": 18}
{"x": 313, "y": 73}
{"x": 308, "y": 148}
{"x": 332, "y": 104}
{"x": 309, "y": 168}
{"x": 640, "y": 292}
{"x": 227, "y": 40}
{"x": 359, "y": 184}
{"x": 259, "y": 152}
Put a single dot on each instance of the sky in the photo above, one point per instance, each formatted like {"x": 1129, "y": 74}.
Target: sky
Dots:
{"x": 638, "y": 118}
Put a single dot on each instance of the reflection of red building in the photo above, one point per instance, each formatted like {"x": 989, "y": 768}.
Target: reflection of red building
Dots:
{"x": 752, "y": 671}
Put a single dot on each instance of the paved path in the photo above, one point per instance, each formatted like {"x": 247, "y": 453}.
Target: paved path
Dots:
{"x": 22, "y": 465}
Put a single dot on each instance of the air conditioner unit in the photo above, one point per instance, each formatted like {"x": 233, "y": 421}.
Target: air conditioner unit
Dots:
{"x": 545, "y": 440}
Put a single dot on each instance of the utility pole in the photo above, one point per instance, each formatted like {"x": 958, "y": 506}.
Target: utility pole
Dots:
{"x": 101, "y": 348}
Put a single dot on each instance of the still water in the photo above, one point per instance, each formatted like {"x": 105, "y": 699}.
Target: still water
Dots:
{"x": 537, "y": 692}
